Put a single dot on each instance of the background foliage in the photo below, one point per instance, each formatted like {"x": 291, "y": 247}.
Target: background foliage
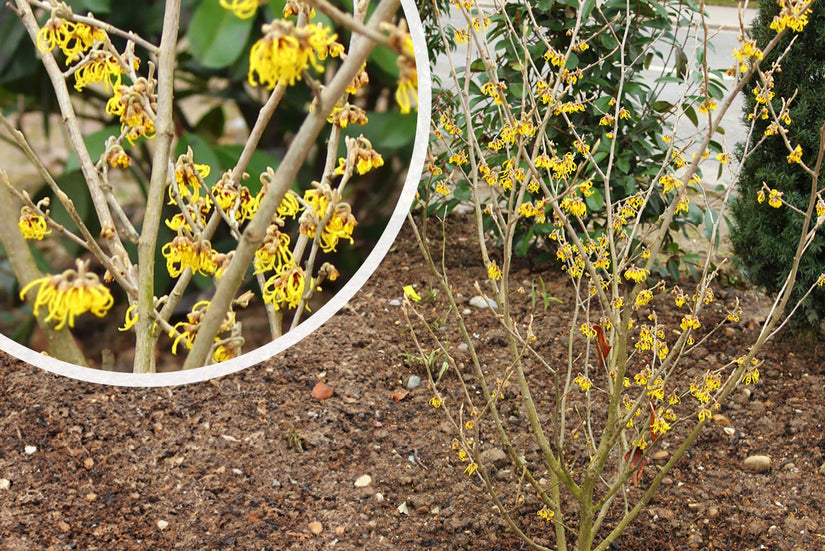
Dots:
{"x": 765, "y": 238}
{"x": 640, "y": 148}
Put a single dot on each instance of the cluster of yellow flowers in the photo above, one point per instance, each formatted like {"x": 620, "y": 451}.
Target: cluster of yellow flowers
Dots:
{"x": 186, "y": 252}
{"x": 186, "y": 331}
{"x": 69, "y": 294}
{"x": 285, "y": 289}
{"x": 793, "y": 15}
{"x": 102, "y": 66}
{"x": 341, "y": 223}
{"x": 130, "y": 104}
{"x": 746, "y": 54}
{"x": 73, "y": 39}
{"x": 285, "y": 51}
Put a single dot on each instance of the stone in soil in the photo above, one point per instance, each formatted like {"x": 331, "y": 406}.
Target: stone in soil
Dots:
{"x": 481, "y": 303}
{"x": 363, "y": 481}
{"x": 316, "y": 527}
{"x": 322, "y": 391}
{"x": 494, "y": 456}
{"x": 758, "y": 463}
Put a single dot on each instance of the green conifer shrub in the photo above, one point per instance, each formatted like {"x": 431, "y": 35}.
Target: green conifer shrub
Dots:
{"x": 764, "y": 238}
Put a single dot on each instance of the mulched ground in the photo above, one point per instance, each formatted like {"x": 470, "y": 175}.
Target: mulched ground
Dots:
{"x": 252, "y": 461}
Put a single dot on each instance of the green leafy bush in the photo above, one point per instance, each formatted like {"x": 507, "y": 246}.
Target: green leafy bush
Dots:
{"x": 764, "y": 238}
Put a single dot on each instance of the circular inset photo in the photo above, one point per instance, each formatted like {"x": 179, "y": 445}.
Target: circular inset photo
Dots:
{"x": 191, "y": 187}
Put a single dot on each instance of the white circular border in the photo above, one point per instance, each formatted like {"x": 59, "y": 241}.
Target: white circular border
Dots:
{"x": 325, "y": 312}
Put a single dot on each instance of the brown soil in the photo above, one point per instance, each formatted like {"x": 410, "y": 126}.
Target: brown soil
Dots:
{"x": 249, "y": 461}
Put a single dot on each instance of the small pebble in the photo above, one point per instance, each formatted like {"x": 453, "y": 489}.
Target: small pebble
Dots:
{"x": 413, "y": 381}
{"x": 466, "y": 312}
{"x": 695, "y": 540}
{"x": 660, "y": 455}
{"x": 363, "y": 481}
{"x": 30, "y": 449}
{"x": 379, "y": 497}
{"x": 480, "y": 302}
{"x": 758, "y": 463}
{"x": 322, "y": 391}
{"x": 712, "y": 512}
{"x": 5, "y": 483}
{"x": 720, "y": 419}
{"x": 463, "y": 346}
{"x": 316, "y": 527}
{"x": 395, "y": 302}
{"x": 162, "y": 524}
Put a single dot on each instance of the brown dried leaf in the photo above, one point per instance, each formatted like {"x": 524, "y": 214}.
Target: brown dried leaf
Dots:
{"x": 399, "y": 395}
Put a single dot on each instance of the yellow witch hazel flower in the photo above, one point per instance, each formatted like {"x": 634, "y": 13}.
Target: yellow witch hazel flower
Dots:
{"x": 243, "y": 9}
{"x": 793, "y": 15}
{"x": 584, "y": 382}
{"x": 186, "y": 331}
{"x": 406, "y": 95}
{"x": 748, "y": 51}
{"x": 775, "y": 198}
{"x": 128, "y": 103}
{"x": 72, "y": 38}
{"x": 340, "y": 225}
{"x": 411, "y": 294}
{"x": 234, "y": 198}
{"x": 188, "y": 176}
{"x": 183, "y": 252}
{"x": 636, "y": 274}
{"x": 32, "y": 225}
{"x": 285, "y": 290}
{"x": 70, "y": 294}
{"x": 795, "y": 156}
{"x": 366, "y": 158}
{"x": 285, "y": 51}
{"x": 274, "y": 253}
{"x": 101, "y": 66}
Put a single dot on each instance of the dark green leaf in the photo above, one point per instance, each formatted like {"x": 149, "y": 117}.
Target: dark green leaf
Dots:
{"x": 98, "y": 7}
{"x": 691, "y": 114}
{"x": 662, "y": 106}
{"x": 216, "y": 36}
{"x": 387, "y": 131}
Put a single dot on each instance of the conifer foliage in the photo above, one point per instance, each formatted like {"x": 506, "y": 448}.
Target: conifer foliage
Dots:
{"x": 765, "y": 239}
